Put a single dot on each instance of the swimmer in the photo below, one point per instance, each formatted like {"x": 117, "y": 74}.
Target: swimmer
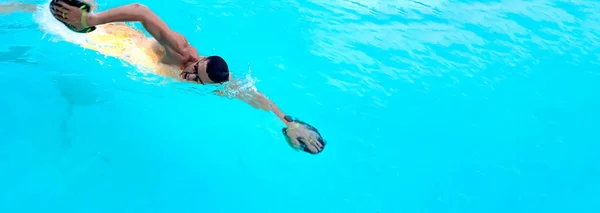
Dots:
{"x": 174, "y": 50}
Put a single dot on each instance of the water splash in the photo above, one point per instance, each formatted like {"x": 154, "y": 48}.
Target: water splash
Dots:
{"x": 52, "y": 27}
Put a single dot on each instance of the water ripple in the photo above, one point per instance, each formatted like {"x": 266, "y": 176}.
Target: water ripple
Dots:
{"x": 409, "y": 40}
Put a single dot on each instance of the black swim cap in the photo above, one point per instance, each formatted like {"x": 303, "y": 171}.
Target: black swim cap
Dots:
{"x": 217, "y": 69}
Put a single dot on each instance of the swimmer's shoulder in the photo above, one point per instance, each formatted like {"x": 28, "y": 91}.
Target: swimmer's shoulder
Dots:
{"x": 190, "y": 50}
{"x": 183, "y": 52}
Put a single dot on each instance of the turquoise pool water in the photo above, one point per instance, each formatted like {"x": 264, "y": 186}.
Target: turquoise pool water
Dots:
{"x": 427, "y": 106}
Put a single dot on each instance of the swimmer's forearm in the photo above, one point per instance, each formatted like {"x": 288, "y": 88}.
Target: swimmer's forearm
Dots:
{"x": 268, "y": 105}
{"x": 127, "y": 13}
{"x": 135, "y": 13}
{"x": 257, "y": 100}
{"x": 277, "y": 111}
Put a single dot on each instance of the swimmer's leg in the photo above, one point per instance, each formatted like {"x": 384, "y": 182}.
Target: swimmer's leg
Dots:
{"x": 6, "y": 8}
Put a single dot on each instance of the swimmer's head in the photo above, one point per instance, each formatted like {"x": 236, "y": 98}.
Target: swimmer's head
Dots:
{"x": 208, "y": 70}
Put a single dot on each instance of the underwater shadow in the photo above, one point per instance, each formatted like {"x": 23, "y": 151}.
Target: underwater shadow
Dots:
{"x": 17, "y": 54}
{"x": 78, "y": 92}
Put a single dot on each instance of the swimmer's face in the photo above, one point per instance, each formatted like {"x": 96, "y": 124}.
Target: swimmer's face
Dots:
{"x": 196, "y": 72}
{"x": 207, "y": 71}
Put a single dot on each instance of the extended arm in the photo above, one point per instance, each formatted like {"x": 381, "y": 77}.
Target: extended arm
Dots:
{"x": 299, "y": 135}
{"x": 140, "y": 13}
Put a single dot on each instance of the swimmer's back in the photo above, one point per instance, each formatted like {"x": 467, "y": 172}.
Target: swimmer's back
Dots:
{"x": 127, "y": 43}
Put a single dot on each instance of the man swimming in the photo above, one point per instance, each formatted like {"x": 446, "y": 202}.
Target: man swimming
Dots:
{"x": 175, "y": 50}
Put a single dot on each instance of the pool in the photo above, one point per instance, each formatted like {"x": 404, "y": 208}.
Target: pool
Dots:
{"x": 427, "y": 106}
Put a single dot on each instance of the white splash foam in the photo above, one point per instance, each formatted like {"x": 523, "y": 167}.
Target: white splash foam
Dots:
{"x": 48, "y": 24}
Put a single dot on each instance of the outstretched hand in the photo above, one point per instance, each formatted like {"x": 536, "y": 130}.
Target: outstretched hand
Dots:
{"x": 68, "y": 14}
{"x": 302, "y": 136}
